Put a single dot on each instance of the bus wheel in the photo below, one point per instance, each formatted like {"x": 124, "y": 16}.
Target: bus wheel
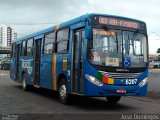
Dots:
{"x": 113, "y": 99}
{"x": 63, "y": 95}
{"x": 3, "y": 67}
{"x": 24, "y": 84}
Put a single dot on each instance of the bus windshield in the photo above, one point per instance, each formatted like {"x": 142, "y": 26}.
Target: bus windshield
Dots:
{"x": 113, "y": 47}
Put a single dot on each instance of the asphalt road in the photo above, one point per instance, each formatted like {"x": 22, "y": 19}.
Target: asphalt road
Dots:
{"x": 39, "y": 103}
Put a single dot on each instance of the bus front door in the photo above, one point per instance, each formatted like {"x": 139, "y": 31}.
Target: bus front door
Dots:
{"x": 77, "y": 68}
{"x": 37, "y": 55}
{"x": 17, "y": 62}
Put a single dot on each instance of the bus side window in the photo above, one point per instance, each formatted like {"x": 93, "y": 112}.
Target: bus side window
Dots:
{"x": 23, "y": 49}
{"x": 48, "y": 43}
{"x": 63, "y": 41}
{"x": 29, "y": 47}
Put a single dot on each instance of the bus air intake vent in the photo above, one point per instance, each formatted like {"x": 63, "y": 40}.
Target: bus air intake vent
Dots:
{"x": 121, "y": 75}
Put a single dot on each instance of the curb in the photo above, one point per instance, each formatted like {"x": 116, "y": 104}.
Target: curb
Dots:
{"x": 146, "y": 99}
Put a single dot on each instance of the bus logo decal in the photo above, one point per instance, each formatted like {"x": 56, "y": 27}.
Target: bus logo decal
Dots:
{"x": 64, "y": 66}
{"x": 54, "y": 81}
{"x": 126, "y": 62}
{"x": 27, "y": 64}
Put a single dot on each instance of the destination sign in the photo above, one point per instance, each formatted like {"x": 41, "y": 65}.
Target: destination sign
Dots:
{"x": 103, "y": 32}
{"x": 119, "y": 22}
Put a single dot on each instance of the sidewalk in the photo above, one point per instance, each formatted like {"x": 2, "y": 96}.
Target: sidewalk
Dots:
{"x": 153, "y": 95}
{"x": 154, "y": 81}
{"x": 154, "y": 70}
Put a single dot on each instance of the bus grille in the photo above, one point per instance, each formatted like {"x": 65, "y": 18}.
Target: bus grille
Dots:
{"x": 121, "y": 75}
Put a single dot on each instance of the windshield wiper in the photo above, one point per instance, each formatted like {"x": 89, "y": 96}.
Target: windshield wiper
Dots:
{"x": 108, "y": 30}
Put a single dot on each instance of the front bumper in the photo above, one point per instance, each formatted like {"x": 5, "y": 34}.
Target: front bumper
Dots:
{"x": 111, "y": 90}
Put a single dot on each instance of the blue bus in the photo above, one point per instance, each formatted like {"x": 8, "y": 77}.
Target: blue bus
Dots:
{"x": 92, "y": 55}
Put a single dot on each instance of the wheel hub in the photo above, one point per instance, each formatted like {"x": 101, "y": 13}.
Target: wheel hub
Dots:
{"x": 63, "y": 91}
{"x": 24, "y": 83}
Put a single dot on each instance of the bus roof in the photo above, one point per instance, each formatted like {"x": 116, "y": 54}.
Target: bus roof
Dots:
{"x": 70, "y": 22}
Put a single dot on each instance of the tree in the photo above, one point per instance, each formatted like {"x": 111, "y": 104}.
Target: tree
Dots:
{"x": 158, "y": 50}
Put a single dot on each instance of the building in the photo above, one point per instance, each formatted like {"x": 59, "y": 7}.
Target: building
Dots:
{"x": 3, "y": 35}
{"x": 7, "y": 35}
{"x": 153, "y": 57}
{"x": 15, "y": 36}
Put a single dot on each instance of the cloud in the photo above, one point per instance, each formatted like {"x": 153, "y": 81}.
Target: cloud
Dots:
{"x": 138, "y": 9}
{"x": 57, "y": 11}
{"x": 39, "y": 11}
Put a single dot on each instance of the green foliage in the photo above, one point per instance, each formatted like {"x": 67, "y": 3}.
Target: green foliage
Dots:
{"x": 158, "y": 50}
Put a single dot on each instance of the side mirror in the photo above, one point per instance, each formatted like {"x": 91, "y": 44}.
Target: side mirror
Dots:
{"x": 88, "y": 32}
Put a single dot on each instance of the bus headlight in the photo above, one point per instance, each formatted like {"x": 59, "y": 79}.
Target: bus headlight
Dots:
{"x": 143, "y": 82}
{"x": 93, "y": 80}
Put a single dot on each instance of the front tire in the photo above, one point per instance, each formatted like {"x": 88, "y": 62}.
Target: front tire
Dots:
{"x": 24, "y": 83}
{"x": 62, "y": 92}
{"x": 3, "y": 67}
{"x": 113, "y": 99}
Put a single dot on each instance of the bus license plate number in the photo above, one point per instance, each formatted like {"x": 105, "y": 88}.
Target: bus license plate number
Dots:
{"x": 131, "y": 81}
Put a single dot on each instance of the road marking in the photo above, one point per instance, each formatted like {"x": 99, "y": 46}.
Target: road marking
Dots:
{"x": 3, "y": 74}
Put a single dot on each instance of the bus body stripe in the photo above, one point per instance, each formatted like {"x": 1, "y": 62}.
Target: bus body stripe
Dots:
{"x": 54, "y": 82}
{"x": 110, "y": 81}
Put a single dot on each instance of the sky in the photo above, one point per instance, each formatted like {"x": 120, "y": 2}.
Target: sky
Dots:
{"x": 28, "y": 16}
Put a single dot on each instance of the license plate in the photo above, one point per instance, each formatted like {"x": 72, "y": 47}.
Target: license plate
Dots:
{"x": 121, "y": 91}
{"x": 131, "y": 81}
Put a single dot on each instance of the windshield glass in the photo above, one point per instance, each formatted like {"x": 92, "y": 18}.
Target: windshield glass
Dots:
{"x": 117, "y": 48}
{"x": 135, "y": 48}
{"x": 105, "y": 49}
